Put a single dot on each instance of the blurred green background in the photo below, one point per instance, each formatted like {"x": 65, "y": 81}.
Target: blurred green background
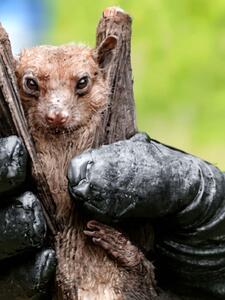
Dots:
{"x": 178, "y": 58}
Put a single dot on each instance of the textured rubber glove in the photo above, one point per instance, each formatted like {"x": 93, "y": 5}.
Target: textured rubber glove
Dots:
{"x": 13, "y": 162}
{"x": 133, "y": 178}
{"x": 26, "y": 265}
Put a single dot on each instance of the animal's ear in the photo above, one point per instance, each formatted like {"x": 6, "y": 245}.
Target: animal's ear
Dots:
{"x": 104, "y": 52}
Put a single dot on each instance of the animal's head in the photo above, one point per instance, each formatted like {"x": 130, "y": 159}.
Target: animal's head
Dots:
{"x": 62, "y": 87}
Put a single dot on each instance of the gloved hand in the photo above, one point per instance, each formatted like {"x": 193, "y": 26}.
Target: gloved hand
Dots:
{"x": 26, "y": 266}
{"x": 131, "y": 178}
{"x": 183, "y": 196}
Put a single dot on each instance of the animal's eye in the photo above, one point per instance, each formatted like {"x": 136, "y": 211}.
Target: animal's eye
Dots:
{"x": 32, "y": 84}
{"x": 82, "y": 83}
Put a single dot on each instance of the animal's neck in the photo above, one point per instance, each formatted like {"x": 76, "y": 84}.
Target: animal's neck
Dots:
{"x": 55, "y": 152}
{"x": 64, "y": 143}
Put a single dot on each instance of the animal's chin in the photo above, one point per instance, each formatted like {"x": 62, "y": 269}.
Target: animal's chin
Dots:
{"x": 62, "y": 130}
{"x": 66, "y": 129}
{"x": 46, "y": 129}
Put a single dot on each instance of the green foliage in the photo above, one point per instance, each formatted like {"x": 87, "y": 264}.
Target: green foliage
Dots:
{"x": 178, "y": 56}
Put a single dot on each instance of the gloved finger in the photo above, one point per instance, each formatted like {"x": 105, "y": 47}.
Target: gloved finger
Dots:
{"x": 28, "y": 277}
{"x": 22, "y": 226}
{"x": 102, "y": 215}
{"x": 78, "y": 168}
{"x": 140, "y": 137}
{"x": 43, "y": 269}
{"x": 93, "y": 209}
{"x": 13, "y": 163}
{"x": 81, "y": 191}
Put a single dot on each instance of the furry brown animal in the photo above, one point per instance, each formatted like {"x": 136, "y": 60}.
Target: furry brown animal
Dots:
{"x": 64, "y": 91}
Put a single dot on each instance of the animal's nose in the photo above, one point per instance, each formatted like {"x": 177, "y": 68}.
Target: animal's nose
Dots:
{"x": 56, "y": 117}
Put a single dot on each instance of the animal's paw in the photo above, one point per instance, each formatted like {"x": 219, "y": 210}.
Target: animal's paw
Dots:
{"x": 115, "y": 243}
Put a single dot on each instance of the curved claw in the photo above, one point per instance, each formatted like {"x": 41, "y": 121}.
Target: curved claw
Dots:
{"x": 112, "y": 11}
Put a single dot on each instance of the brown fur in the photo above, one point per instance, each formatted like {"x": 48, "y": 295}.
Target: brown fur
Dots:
{"x": 85, "y": 271}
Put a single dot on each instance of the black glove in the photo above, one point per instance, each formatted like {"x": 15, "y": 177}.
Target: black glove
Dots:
{"x": 132, "y": 178}
{"x": 13, "y": 161}
{"x": 25, "y": 272}
{"x": 183, "y": 195}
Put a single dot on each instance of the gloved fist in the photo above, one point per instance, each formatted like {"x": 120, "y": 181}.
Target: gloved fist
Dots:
{"x": 109, "y": 181}
{"x": 13, "y": 162}
{"x": 25, "y": 273}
